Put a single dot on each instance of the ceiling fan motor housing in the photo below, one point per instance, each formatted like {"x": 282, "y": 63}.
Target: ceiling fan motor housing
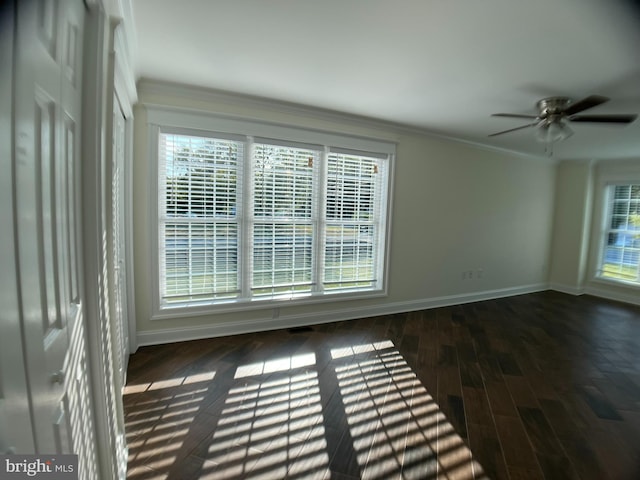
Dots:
{"x": 552, "y": 108}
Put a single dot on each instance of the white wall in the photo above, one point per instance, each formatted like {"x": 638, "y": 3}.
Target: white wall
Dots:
{"x": 456, "y": 208}
{"x": 571, "y": 229}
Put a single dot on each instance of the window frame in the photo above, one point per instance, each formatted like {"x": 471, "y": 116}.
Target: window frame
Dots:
{"x": 606, "y": 190}
{"x": 196, "y": 221}
{"x": 178, "y": 121}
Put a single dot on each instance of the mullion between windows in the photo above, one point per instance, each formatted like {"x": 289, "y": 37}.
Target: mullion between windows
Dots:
{"x": 246, "y": 214}
{"x": 320, "y": 212}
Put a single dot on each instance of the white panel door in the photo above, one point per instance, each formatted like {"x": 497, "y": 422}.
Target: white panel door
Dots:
{"x": 48, "y": 80}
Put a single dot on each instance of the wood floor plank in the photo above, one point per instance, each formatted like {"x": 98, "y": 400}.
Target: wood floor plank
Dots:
{"x": 556, "y": 467}
{"x": 508, "y": 364}
{"x": 476, "y": 406}
{"x": 598, "y": 402}
{"x": 515, "y": 443}
{"x": 539, "y": 431}
{"x": 519, "y": 473}
{"x": 521, "y": 392}
{"x": 500, "y": 399}
{"x": 471, "y": 375}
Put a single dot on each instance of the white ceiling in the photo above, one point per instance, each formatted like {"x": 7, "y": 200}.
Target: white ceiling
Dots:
{"x": 440, "y": 65}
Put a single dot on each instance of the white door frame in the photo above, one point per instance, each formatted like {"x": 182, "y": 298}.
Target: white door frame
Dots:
{"x": 111, "y": 449}
{"x": 123, "y": 88}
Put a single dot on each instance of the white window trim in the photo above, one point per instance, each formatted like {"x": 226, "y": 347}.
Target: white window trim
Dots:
{"x": 175, "y": 119}
{"x": 605, "y": 180}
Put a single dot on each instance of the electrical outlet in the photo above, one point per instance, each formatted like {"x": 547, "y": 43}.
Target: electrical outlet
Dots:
{"x": 467, "y": 275}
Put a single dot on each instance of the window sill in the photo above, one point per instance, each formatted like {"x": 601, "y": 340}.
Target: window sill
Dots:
{"x": 232, "y": 306}
{"x": 614, "y": 282}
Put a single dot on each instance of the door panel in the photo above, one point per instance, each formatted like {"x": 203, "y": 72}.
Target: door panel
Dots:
{"x": 69, "y": 140}
{"x": 45, "y": 132}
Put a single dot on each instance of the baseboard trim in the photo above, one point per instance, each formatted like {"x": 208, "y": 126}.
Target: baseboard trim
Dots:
{"x": 631, "y": 298}
{"x": 597, "y": 291}
{"x": 568, "y": 289}
{"x": 157, "y": 337}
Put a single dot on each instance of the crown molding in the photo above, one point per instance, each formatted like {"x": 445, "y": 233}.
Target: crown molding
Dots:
{"x": 147, "y": 87}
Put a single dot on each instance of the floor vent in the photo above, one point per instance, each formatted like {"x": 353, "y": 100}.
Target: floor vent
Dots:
{"x": 301, "y": 330}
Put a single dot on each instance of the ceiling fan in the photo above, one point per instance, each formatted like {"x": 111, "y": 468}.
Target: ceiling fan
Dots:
{"x": 557, "y": 112}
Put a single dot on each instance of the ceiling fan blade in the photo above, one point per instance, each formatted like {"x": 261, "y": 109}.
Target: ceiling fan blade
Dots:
{"x": 584, "y": 104}
{"x": 514, "y": 129}
{"x": 513, "y": 115}
{"x": 604, "y": 118}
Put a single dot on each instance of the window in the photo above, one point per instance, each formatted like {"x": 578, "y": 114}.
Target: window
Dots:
{"x": 620, "y": 255}
{"x": 198, "y": 224}
{"x": 245, "y": 219}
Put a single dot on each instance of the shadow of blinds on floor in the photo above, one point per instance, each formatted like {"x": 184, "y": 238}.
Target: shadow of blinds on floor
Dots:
{"x": 396, "y": 426}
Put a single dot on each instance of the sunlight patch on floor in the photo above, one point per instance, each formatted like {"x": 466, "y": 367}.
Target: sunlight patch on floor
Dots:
{"x": 396, "y": 426}
{"x": 271, "y": 425}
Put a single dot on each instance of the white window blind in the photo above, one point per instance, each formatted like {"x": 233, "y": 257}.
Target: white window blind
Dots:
{"x": 620, "y": 257}
{"x": 284, "y": 224}
{"x": 245, "y": 219}
{"x": 199, "y": 187}
{"x": 353, "y": 203}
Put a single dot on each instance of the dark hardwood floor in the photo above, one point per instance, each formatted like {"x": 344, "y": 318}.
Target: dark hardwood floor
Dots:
{"x": 536, "y": 386}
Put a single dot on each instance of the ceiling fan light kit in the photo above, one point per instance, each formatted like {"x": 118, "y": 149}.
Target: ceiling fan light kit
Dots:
{"x": 556, "y": 112}
{"x": 553, "y": 131}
